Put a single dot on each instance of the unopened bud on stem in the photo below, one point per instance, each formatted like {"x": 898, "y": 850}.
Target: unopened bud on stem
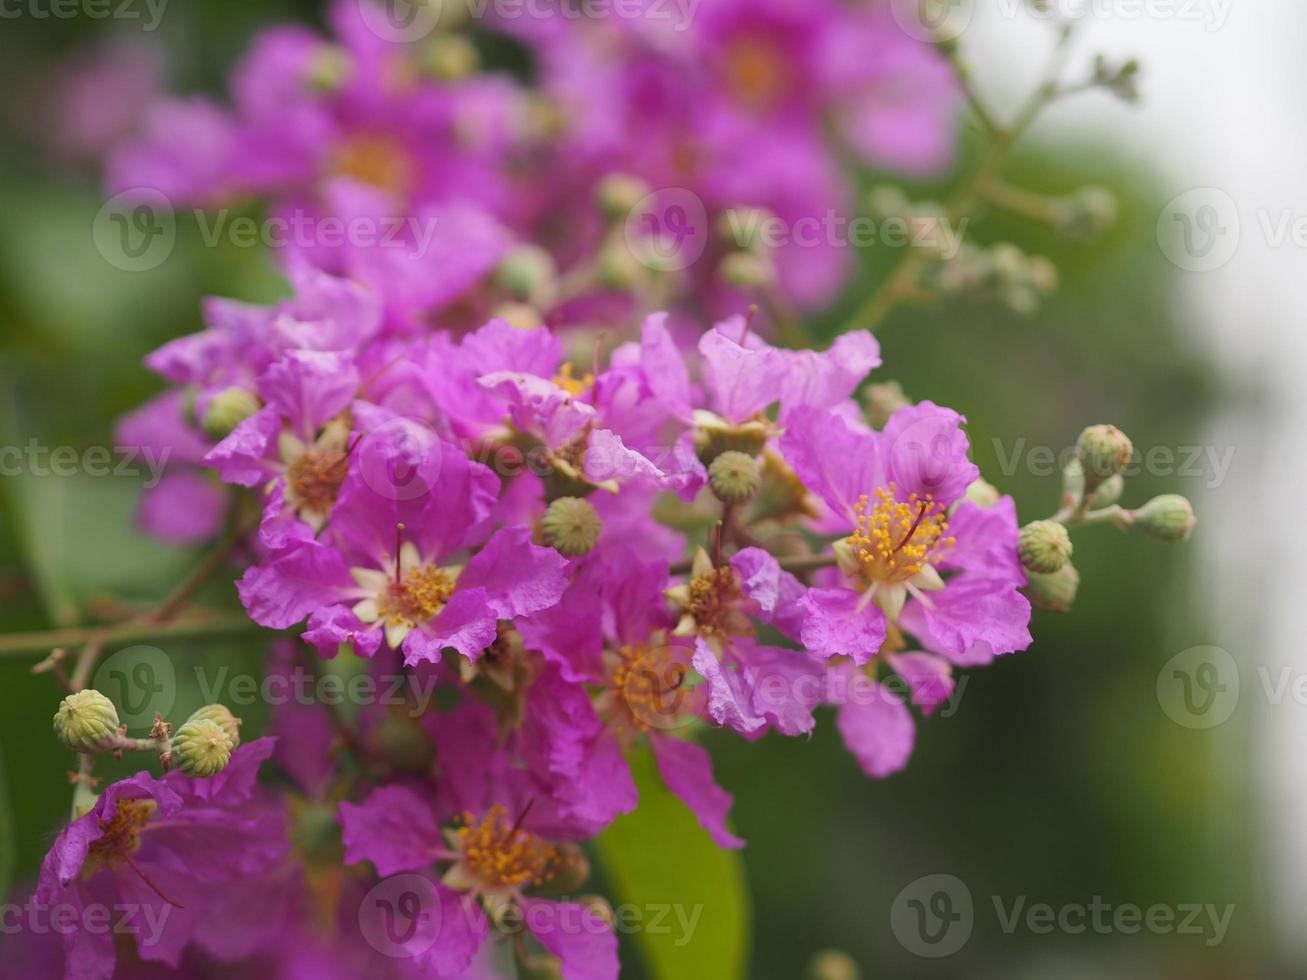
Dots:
{"x": 86, "y": 722}
{"x": 201, "y": 748}
{"x": 571, "y": 526}
{"x": 1104, "y": 451}
{"x": 1169, "y": 517}
{"x": 733, "y": 477}
{"x": 1044, "y": 547}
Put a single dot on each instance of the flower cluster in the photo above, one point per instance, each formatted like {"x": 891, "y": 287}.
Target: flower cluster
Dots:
{"x": 513, "y": 522}
{"x": 742, "y": 105}
{"x": 592, "y": 530}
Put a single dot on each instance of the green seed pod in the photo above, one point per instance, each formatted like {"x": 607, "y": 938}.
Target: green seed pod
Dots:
{"x": 86, "y": 722}
{"x": 571, "y": 526}
{"x": 1044, "y": 547}
{"x": 221, "y": 714}
{"x": 619, "y": 194}
{"x": 1054, "y": 592}
{"x": 734, "y": 477}
{"x": 831, "y": 964}
{"x": 1108, "y": 494}
{"x": 228, "y": 409}
{"x": 1169, "y": 517}
{"x": 529, "y": 273}
{"x": 201, "y": 748}
{"x": 744, "y": 270}
{"x": 1104, "y": 451}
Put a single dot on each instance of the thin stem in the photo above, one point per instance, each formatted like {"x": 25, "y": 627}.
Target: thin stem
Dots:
{"x": 194, "y": 625}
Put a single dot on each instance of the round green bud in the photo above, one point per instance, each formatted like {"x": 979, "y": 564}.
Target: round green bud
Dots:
{"x": 405, "y": 744}
{"x": 519, "y": 315}
{"x": 452, "y": 56}
{"x": 1169, "y": 517}
{"x": 743, "y": 229}
{"x": 571, "y": 526}
{"x": 527, "y": 271}
{"x": 883, "y": 399}
{"x": 1108, "y": 493}
{"x": 201, "y": 748}
{"x": 1044, "y": 547}
{"x": 1054, "y": 592}
{"x": 86, "y": 722}
{"x": 1104, "y": 451}
{"x": 328, "y": 68}
{"x": 227, "y": 721}
{"x": 745, "y": 270}
{"x": 734, "y": 477}
{"x": 619, "y": 194}
{"x": 620, "y": 269}
{"x": 831, "y": 964}
{"x": 982, "y": 493}
{"x": 228, "y": 409}
{"x": 1087, "y": 213}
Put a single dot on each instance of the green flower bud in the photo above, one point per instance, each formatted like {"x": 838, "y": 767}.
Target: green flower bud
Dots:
{"x": 713, "y": 436}
{"x": 227, "y": 721}
{"x": 1108, "y": 493}
{"x": 328, "y": 68}
{"x": 404, "y": 743}
{"x": 86, "y": 722}
{"x": 621, "y": 269}
{"x": 519, "y": 315}
{"x": 1087, "y": 213}
{"x": 228, "y": 409}
{"x": 452, "y": 56}
{"x": 571, "y": 526}
{"x": 982, "y": 493}
{"x": 742, "y": 228}
{"x": 882, "y": 400}
{"x": 1104, "y": 451}
{"x": 1169, "y": 517}
{"x": 1055, "y": 591}
{"x": 744, "y": 270}
{"x": 528, "y": 272}
{"x": 1044, "y": 547}
{"x": 619, "y": 194}
{"x": 734, "y": 477}
{"x": 201, "y": 748}
{"x": 831, "y": 964}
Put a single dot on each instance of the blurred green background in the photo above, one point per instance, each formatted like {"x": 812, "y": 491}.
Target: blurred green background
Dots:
{"x": 1059, "y": 778}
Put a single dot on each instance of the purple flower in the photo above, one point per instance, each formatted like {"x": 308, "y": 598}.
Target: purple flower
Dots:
{"x": 171, "y": 847}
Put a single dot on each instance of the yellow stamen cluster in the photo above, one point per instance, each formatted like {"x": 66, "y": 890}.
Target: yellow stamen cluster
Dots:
{"x": 574, "y": 386}
{"x": 315, "y": 478}
{"x": 122, "y": 835}
{"x": 377, "y": 160}
{"x": 714, "y": 604}
{"x": 896, "y": 539}
{"x": 499, "y": 857}
{"x": 419, "y": 596}
{"x": 645, "y": 685}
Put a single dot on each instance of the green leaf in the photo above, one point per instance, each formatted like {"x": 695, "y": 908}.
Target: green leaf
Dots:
{"x": 80, "y": 542}
{"x": 659, "y": 856}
